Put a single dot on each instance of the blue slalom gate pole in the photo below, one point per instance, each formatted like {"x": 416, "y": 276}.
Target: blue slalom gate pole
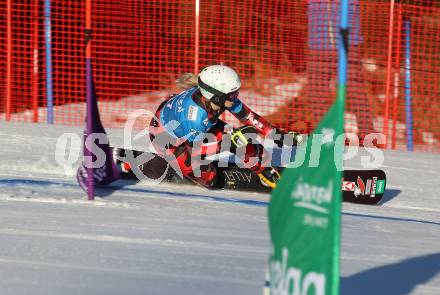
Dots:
{"x": 343, "y": 46}
{"x": 48, "y": 41}
{"x": 343, "y": 57}
{"x": 408, "y": 98}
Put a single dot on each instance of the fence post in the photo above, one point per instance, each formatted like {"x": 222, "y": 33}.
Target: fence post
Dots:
{"x": 396, "y": 74}
{"x": 389, "y": 72}
{"x": 8, "y": 83}
{"x": 197, "y": 38}
{"x": 35, "y": 63}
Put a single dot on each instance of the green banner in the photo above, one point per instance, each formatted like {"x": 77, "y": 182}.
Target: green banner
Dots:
{"x": 304, "y": 216}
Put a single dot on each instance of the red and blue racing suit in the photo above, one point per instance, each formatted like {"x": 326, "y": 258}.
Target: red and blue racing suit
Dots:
{"x": 185, "y": 118}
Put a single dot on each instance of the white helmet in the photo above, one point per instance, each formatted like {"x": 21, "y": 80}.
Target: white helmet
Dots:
{"x": 219, "y": 83}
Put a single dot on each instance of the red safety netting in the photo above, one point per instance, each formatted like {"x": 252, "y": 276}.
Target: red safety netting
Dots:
{"x": 285, "y": 51}
{"x": 19, "y": 45}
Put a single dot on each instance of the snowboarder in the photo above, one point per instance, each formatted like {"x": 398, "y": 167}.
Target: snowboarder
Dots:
{"x": 183, "y": 120}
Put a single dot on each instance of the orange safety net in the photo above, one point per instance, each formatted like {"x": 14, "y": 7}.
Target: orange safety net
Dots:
{"x": 285, "y": 52}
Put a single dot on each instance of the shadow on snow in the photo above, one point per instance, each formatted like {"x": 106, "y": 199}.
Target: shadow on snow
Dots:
{"x": 389, "y": 195}
{"x": 397, "y": 278}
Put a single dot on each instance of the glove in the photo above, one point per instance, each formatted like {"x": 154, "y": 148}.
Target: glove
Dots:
{"x": 239, "y": 138}
{"x": 290, "y": 138}
{"x": 245, "y": 138}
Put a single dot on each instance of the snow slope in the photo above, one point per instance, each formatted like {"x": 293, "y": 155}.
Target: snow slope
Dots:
{"x": 187, "y": 240}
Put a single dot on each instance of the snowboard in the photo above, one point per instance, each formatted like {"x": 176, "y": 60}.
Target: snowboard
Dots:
{"x": 363, "y": 186}
{"x": 357, "y": 186}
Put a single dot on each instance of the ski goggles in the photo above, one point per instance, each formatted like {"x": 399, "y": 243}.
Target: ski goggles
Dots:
{"x": 219, "y": 97}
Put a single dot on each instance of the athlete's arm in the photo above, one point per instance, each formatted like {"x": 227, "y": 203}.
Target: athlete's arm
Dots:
{"x": 262, "y": 126}
{"x": 248, "y": 117}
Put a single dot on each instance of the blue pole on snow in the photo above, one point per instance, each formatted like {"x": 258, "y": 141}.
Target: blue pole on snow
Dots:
{"x": 408, "y": 98}
{"x": 48, "y": 41}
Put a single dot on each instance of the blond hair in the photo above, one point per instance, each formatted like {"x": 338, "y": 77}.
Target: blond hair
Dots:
{"x": 186, "y": 81}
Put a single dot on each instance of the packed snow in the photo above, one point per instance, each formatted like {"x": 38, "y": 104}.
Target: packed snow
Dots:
{"x": 169, "y": 239}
